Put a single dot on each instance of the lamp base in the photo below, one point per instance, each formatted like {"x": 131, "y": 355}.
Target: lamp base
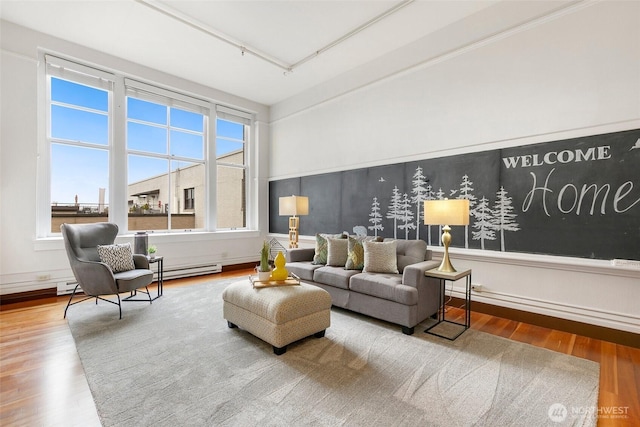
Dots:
{"x": 293, "y": 232}
{"x": 445, "y": 265}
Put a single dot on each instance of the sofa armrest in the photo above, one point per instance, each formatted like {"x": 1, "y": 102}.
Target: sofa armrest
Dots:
{"x": 414, "y": 273}
{"x": 300, "y": 254}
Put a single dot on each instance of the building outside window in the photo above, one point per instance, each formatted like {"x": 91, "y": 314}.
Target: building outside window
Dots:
{"x": 232, "y": 136}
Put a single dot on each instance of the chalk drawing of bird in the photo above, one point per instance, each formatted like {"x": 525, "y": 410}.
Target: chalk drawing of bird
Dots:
{"x": 637, "y": 145}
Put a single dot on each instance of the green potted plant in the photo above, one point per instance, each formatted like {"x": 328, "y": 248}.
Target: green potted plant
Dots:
{"x": 264, "y": 269}
{"x": 152, "y": 251}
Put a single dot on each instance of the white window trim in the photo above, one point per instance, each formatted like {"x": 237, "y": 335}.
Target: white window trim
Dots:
{"x": 247, "y": 119}
{"x": 118, "y": 209}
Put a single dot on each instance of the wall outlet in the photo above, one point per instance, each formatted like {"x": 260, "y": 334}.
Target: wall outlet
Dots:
{"x": 476, "y": 287}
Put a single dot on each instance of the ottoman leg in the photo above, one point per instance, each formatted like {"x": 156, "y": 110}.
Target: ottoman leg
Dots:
{"x": 319, "y": 334}
{"x": 279, "y": 350}
{"x": 231, "y": 325}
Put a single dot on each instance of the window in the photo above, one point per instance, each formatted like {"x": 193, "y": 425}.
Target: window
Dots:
{"x": 189, "y": 200}
{"x": 166, "y": 156}
{"x": 78, "y": 134}
{"x": 232, "y": 133}
{"x": 132, "y": 153}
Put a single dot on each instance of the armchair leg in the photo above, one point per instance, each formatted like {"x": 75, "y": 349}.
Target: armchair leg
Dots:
{"x": 70, "y": 298}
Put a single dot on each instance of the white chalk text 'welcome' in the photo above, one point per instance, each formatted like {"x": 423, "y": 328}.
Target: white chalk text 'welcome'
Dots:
{"x": 554, "y": 157}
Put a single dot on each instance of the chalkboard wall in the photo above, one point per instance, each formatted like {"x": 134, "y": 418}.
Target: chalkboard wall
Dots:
{"x": 578, "y": 197}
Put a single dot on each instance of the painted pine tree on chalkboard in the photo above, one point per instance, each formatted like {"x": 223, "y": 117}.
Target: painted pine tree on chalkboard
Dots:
{"x": 375, "y": 218}
{"x": 394, "y": 209}
{"x": 482, "y": 224}
{"x": 406, "y": 216}
{"x": 420, "y": 193}
{"x": 466, "y": 192}
{"x": 504, "y": 218}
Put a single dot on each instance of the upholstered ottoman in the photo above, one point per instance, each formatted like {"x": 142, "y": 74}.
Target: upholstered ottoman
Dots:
{"x": 278, "y": 315}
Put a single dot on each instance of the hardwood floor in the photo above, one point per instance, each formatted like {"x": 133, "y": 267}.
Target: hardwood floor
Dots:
{"x": 42, "y": 382}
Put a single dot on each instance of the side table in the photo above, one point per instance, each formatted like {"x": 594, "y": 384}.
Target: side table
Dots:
{"x": 160, "y": 261}
{"x": 443, "y": 277}
{"x": 155, "y": 260}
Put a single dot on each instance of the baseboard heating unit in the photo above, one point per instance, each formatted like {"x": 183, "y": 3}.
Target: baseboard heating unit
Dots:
{"x": 197, "y": 270}
{"x": 66, "y": 288}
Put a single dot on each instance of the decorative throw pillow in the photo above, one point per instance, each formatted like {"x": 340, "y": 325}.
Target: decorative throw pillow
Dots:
{"x": 355, "y": 253}
{"x": 320, "y": 256}
{"x": 380, "y": 257}
{"x": 118, "y": 257}
{"x": 337, "y": 252}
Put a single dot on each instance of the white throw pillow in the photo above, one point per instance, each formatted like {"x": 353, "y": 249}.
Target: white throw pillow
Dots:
{"x": 118, "y": 257}
{"x": 380, "y": 257}
{"x": 337, "y": 252}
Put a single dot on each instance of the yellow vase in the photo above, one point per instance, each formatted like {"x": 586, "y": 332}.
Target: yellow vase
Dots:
{"x": 279, "y": 273}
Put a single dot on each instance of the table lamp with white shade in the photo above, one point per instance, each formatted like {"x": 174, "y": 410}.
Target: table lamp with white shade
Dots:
{"x": 446, "y": 212}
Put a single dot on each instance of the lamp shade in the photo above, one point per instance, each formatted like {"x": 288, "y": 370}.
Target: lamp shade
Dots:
{"x": 293, "y": 205}
{"x": 446, "y": 212}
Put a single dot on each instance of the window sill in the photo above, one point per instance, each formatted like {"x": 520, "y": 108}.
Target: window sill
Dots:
{"x": 55, "y": 243}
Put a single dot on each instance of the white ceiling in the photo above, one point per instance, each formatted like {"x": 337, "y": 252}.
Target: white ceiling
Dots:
{"x": 177, "y": 37}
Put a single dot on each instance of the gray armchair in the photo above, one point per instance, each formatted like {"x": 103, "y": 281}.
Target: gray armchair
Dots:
{"x": 95, "y": 277}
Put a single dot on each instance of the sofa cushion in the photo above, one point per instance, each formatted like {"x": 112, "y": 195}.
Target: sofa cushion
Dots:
{"x": 304, "y": 270}
{"x": 409, "y": 252}
{"x": 337, "y": 252}
{"x": 385, "y": 286}
{"x": 334, "y": 276}
{"x": 380, "y": 257}
{"x": 320, "y": 256}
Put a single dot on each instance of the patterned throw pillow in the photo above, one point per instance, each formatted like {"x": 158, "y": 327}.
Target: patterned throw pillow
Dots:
{"x": 320, "y": 256}
{"x": 355, "y": 253}
{"x": 380, "y": 257}
{"x": 118, "y": 257}
{"x": 337, "y": 252}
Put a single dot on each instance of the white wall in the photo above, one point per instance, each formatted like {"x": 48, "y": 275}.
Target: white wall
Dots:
{"x": 27, "y": 263}
{"x": 573, "y": 73}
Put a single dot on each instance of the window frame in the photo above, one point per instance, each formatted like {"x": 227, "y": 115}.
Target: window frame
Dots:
{"x": 169, "y": 100}
{"x": 117, "y": 149}
{"x": 239, "y": 117}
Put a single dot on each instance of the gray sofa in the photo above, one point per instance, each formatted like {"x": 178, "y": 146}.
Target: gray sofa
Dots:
{"x": 406, "y": 298}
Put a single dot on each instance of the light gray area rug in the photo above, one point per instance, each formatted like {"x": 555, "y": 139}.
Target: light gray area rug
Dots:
{"x": 176, "y": 363}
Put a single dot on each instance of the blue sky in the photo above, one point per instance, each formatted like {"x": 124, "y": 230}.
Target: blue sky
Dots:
{"x": 82, "y": 171}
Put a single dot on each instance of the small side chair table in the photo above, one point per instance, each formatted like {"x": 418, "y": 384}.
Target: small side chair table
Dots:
{"x": 443, "y": 276}
{"x": 160, "y": 261}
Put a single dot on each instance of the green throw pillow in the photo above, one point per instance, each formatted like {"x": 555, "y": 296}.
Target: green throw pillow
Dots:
{"x": 355, "y": 253}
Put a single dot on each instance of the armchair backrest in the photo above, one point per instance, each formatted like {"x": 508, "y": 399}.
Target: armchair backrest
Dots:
{"x": 81, "y": 240}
